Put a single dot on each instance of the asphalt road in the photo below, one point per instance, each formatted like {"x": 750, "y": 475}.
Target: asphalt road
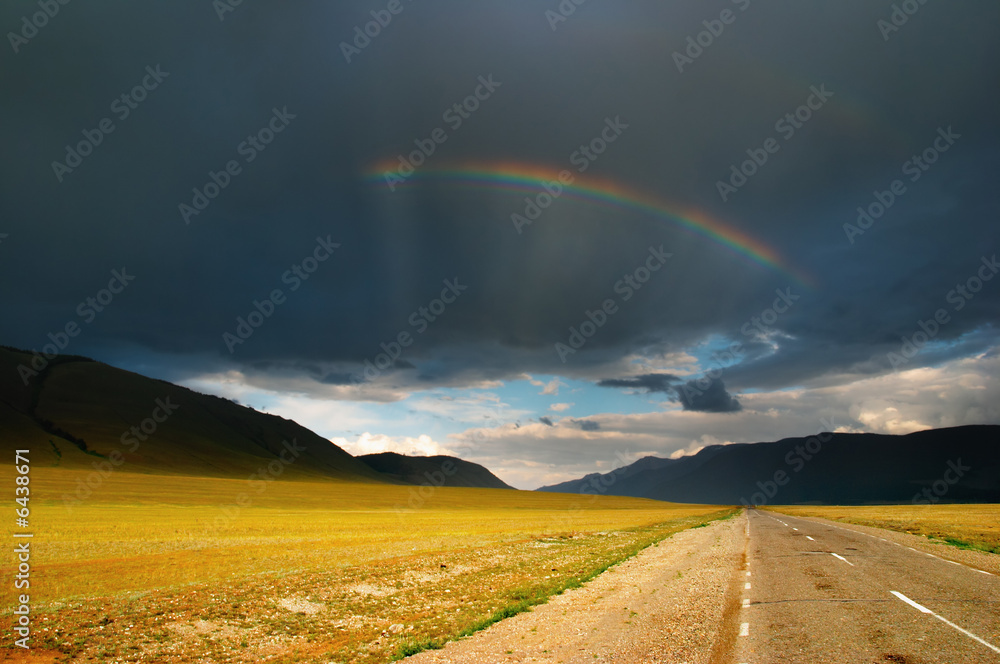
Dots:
{"x": 816, "y": 592}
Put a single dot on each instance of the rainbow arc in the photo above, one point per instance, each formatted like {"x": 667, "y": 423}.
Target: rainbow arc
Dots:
{"x": 526, "y": 178}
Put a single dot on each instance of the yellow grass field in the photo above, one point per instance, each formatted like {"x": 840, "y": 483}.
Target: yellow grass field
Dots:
{"x": 173, "y": 569}
{"x": 968, "y": 526}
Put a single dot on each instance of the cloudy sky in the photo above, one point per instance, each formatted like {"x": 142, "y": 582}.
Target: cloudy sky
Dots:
{"x": 548, "y": 242}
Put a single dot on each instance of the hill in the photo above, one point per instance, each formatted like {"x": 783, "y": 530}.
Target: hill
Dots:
{"x": 434, "y": 470}
{"x": 77, "y": 412}
{"x": 955, "y": 465}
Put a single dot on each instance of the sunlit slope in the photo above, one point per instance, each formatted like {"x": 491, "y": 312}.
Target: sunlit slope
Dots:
{"x": 77, "y": 412}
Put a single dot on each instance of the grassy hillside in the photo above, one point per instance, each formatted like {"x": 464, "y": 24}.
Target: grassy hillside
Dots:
{"x": 78, "y": 412}
{"x": 434, "y": 470}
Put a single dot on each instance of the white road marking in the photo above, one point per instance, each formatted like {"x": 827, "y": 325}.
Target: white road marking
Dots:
{"x": 918, "y": 607}
{"x": 810, "y": 539}
{"x": 747, "y": 586}
{"x": 981, "y": 571}
{"x": 745, "y": 630}
{"x": 746, "y": 603}
{"x": 843, "y": 558}
{"x": 795, "y": 529}
{"x": 953, "y": 562}
{"x": 924, "y": 609}
{"x": 748, "y": 573}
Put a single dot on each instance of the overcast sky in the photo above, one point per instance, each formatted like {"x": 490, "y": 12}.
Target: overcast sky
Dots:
{"x": 257, "y": 162}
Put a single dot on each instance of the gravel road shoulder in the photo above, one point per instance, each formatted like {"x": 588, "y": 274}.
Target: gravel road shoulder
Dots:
{"x": 664, "y": 605}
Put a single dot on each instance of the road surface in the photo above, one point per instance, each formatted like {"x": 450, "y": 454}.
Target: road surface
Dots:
{"x": 819, "y": 592}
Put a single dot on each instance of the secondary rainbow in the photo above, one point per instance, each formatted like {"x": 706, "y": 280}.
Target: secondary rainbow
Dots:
{"x": 521, "y": 178}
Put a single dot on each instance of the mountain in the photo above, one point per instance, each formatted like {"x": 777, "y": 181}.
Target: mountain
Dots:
{"x": 643, "y": 476}
{"x": 960, "y": 464}
{"x": 433, "y": 470}
{"x": 76, "y": 412}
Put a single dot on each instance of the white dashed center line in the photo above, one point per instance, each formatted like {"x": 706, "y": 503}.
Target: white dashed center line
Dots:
{"x": 924, "y": 609}
{"x": 745, "y": 630}
{"x": 842, "y": 558}
{"x": 810, "y": 539}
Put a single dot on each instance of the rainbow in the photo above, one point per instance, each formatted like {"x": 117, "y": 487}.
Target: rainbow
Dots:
{"x": 521, "y": 178}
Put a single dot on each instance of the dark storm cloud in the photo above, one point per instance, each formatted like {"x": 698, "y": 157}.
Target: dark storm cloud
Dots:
{"x": 228, "y": 79}
{"x": 705, "y": 395}
{"x": 712, "y": 398}
{"x": 338, "y": 379}
{"x": 648, "y": 382}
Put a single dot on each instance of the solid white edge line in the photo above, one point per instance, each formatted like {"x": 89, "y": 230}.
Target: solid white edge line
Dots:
{"x": 745, "y": 629}
{"x": 843, "y": 558}
{"x": 924, "y": 609}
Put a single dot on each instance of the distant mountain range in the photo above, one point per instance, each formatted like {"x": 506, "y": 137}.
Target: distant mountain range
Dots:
{"x": 74, "y": 412}
{"x": 960, "y": 464}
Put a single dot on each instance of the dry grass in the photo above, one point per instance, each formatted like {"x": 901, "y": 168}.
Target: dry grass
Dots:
{"x": 170, "y": 569}
{"x": 967, "y": 526}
